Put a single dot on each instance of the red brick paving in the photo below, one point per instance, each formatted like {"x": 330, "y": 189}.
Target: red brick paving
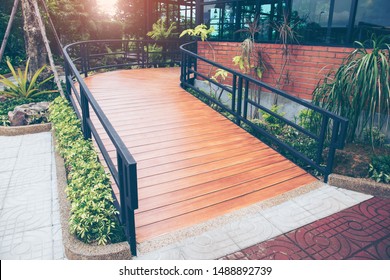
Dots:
{"x": 361, "y": 232}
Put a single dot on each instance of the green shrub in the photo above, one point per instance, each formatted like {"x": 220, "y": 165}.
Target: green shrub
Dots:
{"x": 160, "y": 31}
{"x": 360, "y": 89}
{"x": 380, "y": 169}
{"x": 287, "y": 134}
{"x": 374, "y": 137}
{"x": 93, "y": 217}
{"x": 274, "y": 124}
{"x": 310, "y": 120}
{"x": 23, "y": 86}
{"x": 154, "y": 52}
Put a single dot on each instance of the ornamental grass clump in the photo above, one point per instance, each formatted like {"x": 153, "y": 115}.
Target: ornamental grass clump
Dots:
{"x": 360, "y": 88}
{"x": 23, "y": 86}
{"x": 93, "y": 217}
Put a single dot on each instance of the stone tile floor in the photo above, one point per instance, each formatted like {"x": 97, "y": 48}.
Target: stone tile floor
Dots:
{"x": 29, "y": 214}
{"x": 361, "y": 232}
{"x": 244, "y": 235}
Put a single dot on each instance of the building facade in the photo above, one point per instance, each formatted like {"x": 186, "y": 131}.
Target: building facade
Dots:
{"x": 318, "y": 22}
{"x": 324, "y": 34}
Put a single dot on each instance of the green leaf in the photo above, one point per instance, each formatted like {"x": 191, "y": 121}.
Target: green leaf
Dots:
{"x": 23, "y": 87}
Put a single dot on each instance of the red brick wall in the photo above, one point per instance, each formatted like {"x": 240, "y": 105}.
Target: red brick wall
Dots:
{"x": 306, "y": 66}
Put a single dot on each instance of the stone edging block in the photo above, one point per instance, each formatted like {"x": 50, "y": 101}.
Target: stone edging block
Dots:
{"x": 26, "y": 129}
{"x": 360, "y": 185}
{"x": 74, "y": 248}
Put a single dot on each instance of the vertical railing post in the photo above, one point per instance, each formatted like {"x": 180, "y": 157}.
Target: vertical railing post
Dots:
{"x": 234, "y": 93}
{"x": 182, "y": 68}
{"x": 196, "y": 61}
{"x": 128, "y": 192}
{"x": 83, "y": 60}
{"x": 324, "y": 126}
{"x": 188, "y": 67}
{"x": 239, "y": 101}
{"x": 246, "y": 97}
{"x": 67, "y": 77}
{"x": 85, "y": 114}
{"x": 125, "y": 46}
{"x": 86, "y": 59}
{"x": 332, "y": 149}
{"x": 145, "y": 55}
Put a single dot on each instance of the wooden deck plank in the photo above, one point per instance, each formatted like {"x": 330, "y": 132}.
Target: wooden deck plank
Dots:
{"x": 207, "y": 177}
{"x": 215, "y": 197}
{"x": 185, "y": 220}
{"x": 199, "y": 190}
{"x": 193, "y": 164}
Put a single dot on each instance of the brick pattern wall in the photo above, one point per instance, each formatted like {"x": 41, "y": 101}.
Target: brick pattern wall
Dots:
{"x": 306, "y": 66}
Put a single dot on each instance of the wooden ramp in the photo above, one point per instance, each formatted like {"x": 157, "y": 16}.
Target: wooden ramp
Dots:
{"x": 193, "y": 163}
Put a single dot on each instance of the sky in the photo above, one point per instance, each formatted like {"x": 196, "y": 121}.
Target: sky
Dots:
{"x": 107, "y": 6}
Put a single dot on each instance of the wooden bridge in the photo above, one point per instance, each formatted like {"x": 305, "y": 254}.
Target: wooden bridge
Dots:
{"x": 193, "y": 164}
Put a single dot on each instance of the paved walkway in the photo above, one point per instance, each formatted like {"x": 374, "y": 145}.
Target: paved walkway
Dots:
{"x": 326, "y": 223}
{"x": 243, "y": 236}
{"x": 29, "y": 213}
{"x": 361, "y": 232}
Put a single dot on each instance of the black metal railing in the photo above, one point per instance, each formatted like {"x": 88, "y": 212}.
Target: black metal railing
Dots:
{"x": 80, "y": 59}
{"x": 244, "y": 95}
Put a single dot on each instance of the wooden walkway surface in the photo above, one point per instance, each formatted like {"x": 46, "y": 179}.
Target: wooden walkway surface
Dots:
{"x": 193, "y": 164}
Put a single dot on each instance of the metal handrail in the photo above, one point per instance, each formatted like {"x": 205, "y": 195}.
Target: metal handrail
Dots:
{"x": 239, "y": 90}
{"x": 125, "y": 173}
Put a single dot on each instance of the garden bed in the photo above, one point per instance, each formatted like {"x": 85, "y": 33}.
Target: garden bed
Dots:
{"x": 354, "y": 159}
{"x": 74, "y": 248}
{"x": 351, "y": 169}
{"x": 90, "y": 223}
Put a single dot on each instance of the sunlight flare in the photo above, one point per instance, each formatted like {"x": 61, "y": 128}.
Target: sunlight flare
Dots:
{"x": 107, "y": 6}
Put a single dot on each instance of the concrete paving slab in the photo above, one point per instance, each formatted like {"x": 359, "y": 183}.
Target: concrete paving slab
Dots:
{"x": 262, "y": 224}
{"x": 29, "y": 213}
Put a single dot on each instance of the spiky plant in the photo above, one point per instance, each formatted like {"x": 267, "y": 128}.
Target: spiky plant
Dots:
{"x": 24, "y": 87}
{"x": 359, "y": 90}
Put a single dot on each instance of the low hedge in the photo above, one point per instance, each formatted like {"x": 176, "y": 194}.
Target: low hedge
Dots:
{"x": 93, "y": 217}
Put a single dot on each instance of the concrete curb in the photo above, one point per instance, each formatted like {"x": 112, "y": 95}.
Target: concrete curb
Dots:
{"x": 26, "y": 129}
{"x": 360, "y": 185}
{"x": 74, "y": 248}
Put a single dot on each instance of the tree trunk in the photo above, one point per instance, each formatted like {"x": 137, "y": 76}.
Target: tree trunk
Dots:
{"x": 9, "y": 26}
{"x": 47, "y": 45}
{"x": 35, "y": 47}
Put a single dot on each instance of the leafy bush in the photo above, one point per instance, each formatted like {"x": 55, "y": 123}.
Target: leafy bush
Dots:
{"x": 201, "y": 31}
{"x": 155, "y": 53}
{"x": 160, "y": 31}
{"x": 272, "y": 123}
{"x": 310, "y": 120}
{"x": 380, "y": 169}
{"x": 16, "y": 60}
{"x": 360, "y": 88}
{"x": 287, "y": 134}
{"x": 23, "y": 87}
{"x": 93, "y": 217}
{"x": 374, "y": 136}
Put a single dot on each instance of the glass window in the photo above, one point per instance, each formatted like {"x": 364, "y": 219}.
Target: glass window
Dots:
{"x": 227, "y": 17}
{"x": 311, "y": 17}
{"x": 338, "y": 24}
{"x": 316, "y": 21}
{"x": 372, "y": 16}
{"x": 323, "y": 21}
{"x": 222, "y": 17}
